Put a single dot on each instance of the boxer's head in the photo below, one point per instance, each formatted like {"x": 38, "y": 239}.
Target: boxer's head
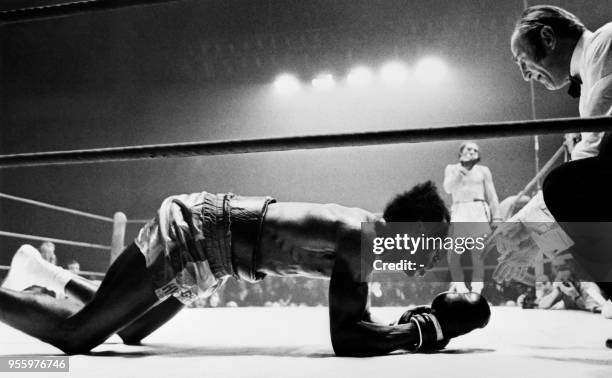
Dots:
{"x": 469, "y": 152}
{"x": 542, "y": 44}
{"x": 427, "y": 215}
{"x": 421, "y": 203}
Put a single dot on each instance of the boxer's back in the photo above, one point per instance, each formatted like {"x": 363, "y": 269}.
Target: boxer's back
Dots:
{"x": 302, "y": 238}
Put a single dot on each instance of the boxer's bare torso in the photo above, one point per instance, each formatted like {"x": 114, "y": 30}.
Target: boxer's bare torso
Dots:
{"x": 472, "y": 184}
{"x": 305, "y": 238}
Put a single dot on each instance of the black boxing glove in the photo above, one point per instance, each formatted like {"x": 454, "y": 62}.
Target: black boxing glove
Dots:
{"x": 430, "y": 333}
{"x": 460, "y": 313}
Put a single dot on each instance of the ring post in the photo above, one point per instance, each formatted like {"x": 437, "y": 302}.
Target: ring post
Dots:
{"x": 118, "y": 239}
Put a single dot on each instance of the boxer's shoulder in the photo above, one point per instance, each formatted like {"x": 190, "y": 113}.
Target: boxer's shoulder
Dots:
{"x": 481, "y": 170}
{"x": 307, "y": 213}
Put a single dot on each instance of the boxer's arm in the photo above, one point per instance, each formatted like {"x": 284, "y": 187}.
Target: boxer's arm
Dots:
{"x": 452, "y": 178}
{"x": 353, "y": 331}
{"x": 491, "y": 195}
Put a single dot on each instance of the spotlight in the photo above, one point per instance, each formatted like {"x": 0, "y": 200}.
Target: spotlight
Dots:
{"x": 359, "y": 77}
{"x": 431, "y": 69}
{"x": 323, "y": 81}
{"x": 394, "y": 73}
{"x": 286, "y": 84}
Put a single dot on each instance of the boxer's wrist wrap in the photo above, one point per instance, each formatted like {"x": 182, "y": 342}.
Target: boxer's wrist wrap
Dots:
{"x": 430, "y": 332}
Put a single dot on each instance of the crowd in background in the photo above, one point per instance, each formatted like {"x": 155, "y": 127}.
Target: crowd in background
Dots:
{"x": 300, "y": 291}
{"x": 563, "y": 286}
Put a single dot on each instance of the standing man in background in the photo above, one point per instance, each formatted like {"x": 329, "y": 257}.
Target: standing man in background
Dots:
{"x": 475, "y": 207}
{"x": 47, "y": 251}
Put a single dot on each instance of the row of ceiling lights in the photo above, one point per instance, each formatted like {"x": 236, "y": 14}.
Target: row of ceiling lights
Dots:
{"x": 395, "y": 73}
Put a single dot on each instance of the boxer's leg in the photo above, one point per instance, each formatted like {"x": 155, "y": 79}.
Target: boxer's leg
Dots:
{"x": 28, "y": 269}
{"x": 150, "y": 321}
{"x": 125, "y": 293}
{"x": 478, "y": 271}
{"x": 83, "y": 290}
{"x": 456, "y": 272}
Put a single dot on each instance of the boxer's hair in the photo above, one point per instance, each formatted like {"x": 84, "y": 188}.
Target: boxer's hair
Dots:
{"x": 421, "y": 203}
{"x": 533, "y": 19}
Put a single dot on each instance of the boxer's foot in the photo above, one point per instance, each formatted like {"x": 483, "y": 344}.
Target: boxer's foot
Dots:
{"x": 28, "y": 269}
{"x": 20, "y": 275}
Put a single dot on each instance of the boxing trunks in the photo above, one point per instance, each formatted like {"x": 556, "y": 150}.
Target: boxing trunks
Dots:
{"x": 198, "y": 240}
{"x": 470, "y": 219}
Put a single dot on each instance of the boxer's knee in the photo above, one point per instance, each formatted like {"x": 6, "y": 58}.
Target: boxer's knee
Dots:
{"x": 76, "y": 346}
{"x": 71, "y": 338}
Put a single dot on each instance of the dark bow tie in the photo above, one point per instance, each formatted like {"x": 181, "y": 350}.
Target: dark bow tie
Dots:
{"x": 574, "y": 88}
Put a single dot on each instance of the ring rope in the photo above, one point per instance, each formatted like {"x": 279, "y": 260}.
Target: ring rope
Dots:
{"x": 57, "y": 241}
{"x": 240, "y": 146}
{"x": 70, "y": 9}
{"x": 55, "y": 207}
{"x": 81, "y": 272}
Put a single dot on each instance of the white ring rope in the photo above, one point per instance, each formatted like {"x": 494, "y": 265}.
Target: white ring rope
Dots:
{"x": 81, "y": 272}
{"x": 55, "y": 207}
{"x": 54, "y": 240}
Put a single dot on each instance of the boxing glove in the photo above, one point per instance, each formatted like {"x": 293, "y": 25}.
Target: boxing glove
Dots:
{"x": 460, "y": 313}
{"x": 450, "y": 315}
